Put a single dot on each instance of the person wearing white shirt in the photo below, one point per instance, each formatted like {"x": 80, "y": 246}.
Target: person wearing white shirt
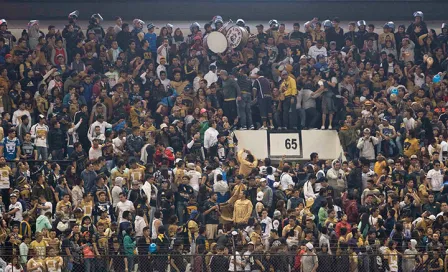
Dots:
{"x": 139, "y": 223}
{"x": 286, "y": 179}
{"x": 99, "y": 123}
{"x": 165, "y": 81}
{"x": 124, "y": 205}
{"x": 435, "y": 177}
{"x": 211, "y": 76}
{"x": 116, "y": 191}
{"x": 317, "y": 49}
{"x": 39, "y": 132}
{"x": 118, "y": 25}
{"x": 238, "y": 261}
{"x": 253, "y": 71}
{"x": 162, "y": 51}
{"x": 15, "y": 209}
{"x": 16, "y": 117}
{"x": 308, "y": 190}
{"x": 194, "y": 175}
{"x": 119, "y": 142}
{"x": 211, "y": 139}
{"x": 45, "y": 206}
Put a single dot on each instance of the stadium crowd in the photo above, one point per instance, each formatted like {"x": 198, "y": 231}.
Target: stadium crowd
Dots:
{"x": 118, "y": 149}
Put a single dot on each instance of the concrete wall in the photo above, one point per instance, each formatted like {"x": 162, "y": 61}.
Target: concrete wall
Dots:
{"x": 252, "y": 10}
{"x": 325, "y": 142}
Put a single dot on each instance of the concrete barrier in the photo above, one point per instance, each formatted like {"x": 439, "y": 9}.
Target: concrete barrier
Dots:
{"x": 294, "y": 145}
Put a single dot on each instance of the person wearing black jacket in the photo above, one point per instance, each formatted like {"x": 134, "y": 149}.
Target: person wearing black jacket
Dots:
{"x": 176, "y": 140}
{"x": 219, "y": 262}
{"x": 123, "y": 37}
{"x": 244, "y": 97}
{"x": 83, "y": 127}
{"x": 354, "y": 178}
{"x": 134, "y": 143}
{"x": 335, "y": 33}
{"x": 57, "y": 142}
{"x": 143, "y": 243}
{"x": 161, "y": 255}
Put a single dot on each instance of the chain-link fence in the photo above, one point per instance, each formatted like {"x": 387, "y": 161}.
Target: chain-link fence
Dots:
{"x": 224, "y": 261}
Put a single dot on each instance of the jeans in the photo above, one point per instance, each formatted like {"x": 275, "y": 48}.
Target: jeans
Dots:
{"x": 230, "y": 110}
{"x": 70, "y": 150}
{"x": 399, "y": 145}
{"x": 244, "y": 111}
{"x": 57, "y": 154}
{"x": 289, "y": 112}
{"x": 89, "y": 265}
{"x": 130, "y": 263}
{"x": 352, "y": 152}
{"x": 181, "y": 207}
{"x": 42, "y": 153}
{"x": 309, "y": 117}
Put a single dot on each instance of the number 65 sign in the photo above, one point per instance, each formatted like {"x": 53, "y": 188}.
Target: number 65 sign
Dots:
{"x": 285, "y": 143}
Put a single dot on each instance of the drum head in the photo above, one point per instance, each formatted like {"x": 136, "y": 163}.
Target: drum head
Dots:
{"x": 235, "y": 36}
{"x": 216, "y": 42}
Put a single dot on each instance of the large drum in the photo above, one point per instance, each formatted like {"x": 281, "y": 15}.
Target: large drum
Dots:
{"x": 216, "y": 42}
{"x": 237, "y": 36}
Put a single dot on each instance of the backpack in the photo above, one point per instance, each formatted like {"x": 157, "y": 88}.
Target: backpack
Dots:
{"x": 280, "y": 195}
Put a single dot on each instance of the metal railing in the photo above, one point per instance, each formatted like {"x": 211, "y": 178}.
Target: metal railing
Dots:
{"x": 339, "y": 261}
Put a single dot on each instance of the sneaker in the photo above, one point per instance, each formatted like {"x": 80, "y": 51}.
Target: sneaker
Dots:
{"x": 295, "y": 128}
{"x": 322, "y": 127}
{"x": 284, "y": 128}
{"x": 263, "y": 128}
{"x": 271, "y": 127}
{"x": 243, "y": 128}
{"x": 330, "y": 127}
{"x": 252, "y": 127}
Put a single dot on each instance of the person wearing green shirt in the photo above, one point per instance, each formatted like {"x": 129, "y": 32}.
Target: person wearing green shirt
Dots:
{"x": 129, "y": 247}
{"x": 323, "y": 214}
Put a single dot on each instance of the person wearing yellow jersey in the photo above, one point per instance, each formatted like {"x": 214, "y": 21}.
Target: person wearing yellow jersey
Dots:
{"x": 380, "y": 164}
{"x": 391, "y": 257}
{"x": 35, "y": 264}
{"x": 54, "y": 263}
{"x": 137, "y": 171}
{"x": 39, "y": 245}
{"x": 292, "y": 231}
{"x": 289, "y": 90}
{"x": 411, "y": 144}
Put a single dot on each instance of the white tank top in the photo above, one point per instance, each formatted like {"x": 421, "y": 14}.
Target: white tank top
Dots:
{"x": 153, "y": 228}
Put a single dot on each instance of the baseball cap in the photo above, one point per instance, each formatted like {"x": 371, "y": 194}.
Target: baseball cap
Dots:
{"x": 414, "y": 157}
{"x": 332, "y": 43}
{"x": 309, "y": 246}
{"x": 162, "y": 126}
{"x": 366, "y": 130}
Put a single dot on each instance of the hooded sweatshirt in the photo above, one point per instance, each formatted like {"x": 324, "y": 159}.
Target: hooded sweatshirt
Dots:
{"x": 43, "y": 222}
